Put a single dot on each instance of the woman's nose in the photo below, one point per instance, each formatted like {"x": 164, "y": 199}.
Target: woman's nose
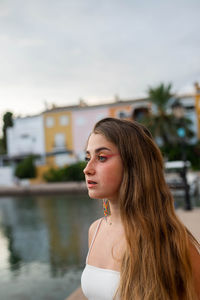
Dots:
{"x": 89, "y": 169}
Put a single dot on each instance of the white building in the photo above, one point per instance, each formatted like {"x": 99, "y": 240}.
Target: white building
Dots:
{"x": 26, "y": 137}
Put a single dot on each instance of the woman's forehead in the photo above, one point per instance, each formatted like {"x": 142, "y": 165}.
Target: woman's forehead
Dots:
{"x": 97, "y": 140}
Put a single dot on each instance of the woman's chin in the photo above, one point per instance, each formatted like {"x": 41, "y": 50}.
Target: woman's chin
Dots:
{"x": 95, "y": 195}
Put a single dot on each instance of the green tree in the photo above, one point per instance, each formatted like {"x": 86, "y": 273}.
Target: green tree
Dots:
{"x": 2, "y": 149}
{"x": 8, "y": 122}
{"x": 26, "y": 168}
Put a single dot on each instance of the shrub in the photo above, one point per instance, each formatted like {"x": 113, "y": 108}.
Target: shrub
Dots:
{"x": 26, "y": 168}
{"x": 73, "y": 172}
{"x": 53, "y": 175}
{"x": 177, "y": 152}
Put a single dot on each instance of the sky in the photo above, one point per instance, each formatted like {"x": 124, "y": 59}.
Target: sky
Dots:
{"x": 58, "y": 52}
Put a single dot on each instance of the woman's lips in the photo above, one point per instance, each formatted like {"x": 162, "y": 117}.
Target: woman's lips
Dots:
{"x": 91, "y": 183}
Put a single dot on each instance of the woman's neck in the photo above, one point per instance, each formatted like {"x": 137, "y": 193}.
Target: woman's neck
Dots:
{"x": 115, "y": 217}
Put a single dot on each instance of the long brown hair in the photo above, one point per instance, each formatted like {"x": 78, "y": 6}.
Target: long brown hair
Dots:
{"x": 156, "y": 264}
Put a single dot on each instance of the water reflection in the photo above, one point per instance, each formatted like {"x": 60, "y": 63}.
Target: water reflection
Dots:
{"x": 64, "y": 233}
{"x": 46, "y": 236}
{"x": 25, "y": 230}
{"x": 4, "y": 257}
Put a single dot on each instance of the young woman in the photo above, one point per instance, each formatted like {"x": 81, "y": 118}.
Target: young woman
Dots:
{"x": 140, "y": 250}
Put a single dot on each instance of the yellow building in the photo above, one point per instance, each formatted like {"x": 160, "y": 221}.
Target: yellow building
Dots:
{"x": 58, "y": 136}
{"x": 197, "y": 104}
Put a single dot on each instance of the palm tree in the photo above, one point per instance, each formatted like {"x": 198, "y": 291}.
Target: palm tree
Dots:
{"x": 162, "y": 124}
{"x": 7, "y": 122}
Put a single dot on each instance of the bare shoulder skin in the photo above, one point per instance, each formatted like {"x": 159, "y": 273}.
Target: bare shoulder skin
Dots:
{"x": 91, "y": 231}
{"x": 108, "y": 246}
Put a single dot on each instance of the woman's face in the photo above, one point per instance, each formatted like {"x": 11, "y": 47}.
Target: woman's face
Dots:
{"x": 104, "y": 170}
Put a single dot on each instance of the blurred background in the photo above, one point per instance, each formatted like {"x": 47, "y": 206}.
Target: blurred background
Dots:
{"x": 65, "y": 65}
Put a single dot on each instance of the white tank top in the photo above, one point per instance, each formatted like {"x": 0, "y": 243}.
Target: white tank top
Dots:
{"x": 98, "y": 283}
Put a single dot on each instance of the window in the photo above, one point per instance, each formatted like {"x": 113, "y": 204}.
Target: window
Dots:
{"x": 189, "y": 108}
{"x": 64, "y": 120}
{"x": 59, "y": 140}
{"x": 122, "y": 114}
{"x": 80, "y": 121}
{"x": 24, "y": 136}
{"x": 139, "y": 113}
{"x": 49, "y": 122}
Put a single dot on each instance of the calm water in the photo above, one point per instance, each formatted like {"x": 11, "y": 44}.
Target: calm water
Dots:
{"x": 43, "y": 245}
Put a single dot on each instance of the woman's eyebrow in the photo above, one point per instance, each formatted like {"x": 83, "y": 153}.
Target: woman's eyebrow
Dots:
{"x": 98, "y": 150}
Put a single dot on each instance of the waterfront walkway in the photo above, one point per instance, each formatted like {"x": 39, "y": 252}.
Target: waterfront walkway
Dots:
{"x": 191, "y": 219}
{"x": 44, "y": 189}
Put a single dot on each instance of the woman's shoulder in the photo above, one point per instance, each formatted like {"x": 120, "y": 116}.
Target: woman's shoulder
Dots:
{"x": 92, "y": 230}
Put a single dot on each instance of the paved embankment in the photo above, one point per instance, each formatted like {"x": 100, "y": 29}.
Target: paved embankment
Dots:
{"x": 191, "y": 219}
{"x": 44, "y": 189}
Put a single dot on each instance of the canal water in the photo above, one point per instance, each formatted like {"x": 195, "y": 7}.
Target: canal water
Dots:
{"x": 43, "y": 244}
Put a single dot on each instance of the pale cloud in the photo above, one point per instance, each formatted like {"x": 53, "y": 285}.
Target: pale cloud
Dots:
{"x": 62, "y": 50}
{"x": 28, "y": 42}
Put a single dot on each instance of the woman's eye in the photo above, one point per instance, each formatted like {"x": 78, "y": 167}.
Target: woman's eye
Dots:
{"x": 87, "y": 159}
{"x": 102, "y": 158}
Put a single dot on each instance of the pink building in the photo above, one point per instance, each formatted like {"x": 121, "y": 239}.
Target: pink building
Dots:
{"x": 83, "y": 120}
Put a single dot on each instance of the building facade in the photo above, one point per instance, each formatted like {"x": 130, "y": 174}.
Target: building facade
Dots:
{"x": 58, "y": 136}
{"x": 26, "y": 137}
